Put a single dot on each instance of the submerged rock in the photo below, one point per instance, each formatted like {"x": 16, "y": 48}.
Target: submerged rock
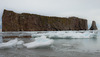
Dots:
{"x": 93, "y": 26}
{"x": 12, "y": 21}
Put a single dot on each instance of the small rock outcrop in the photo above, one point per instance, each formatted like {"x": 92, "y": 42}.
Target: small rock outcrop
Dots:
{"x": 12, "y": 21}
{"x": 93, "y": 26}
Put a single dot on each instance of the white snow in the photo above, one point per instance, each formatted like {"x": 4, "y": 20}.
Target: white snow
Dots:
{"x": 39, "y": 42}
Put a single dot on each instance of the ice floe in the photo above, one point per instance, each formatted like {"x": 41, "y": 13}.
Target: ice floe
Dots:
{"x": 67, "y": 34}
{"x": 16, "y": 43}
{"x": 20, "y": 44}
{"x": 9, "y": 44}
{"x": 39, "y": 42}
{"x": 45, "y": 39}
{"x": 72, "y": 35}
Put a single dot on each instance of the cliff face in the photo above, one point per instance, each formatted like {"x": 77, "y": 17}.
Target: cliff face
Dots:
{"x": 12, "y": 21}
{"x": 93, "y": 26}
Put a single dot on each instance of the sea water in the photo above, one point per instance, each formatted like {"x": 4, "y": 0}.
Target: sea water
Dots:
{"x": 66, "y": 44}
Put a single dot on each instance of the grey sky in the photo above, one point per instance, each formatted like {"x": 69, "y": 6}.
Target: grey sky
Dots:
{"x": 88, "y": 9}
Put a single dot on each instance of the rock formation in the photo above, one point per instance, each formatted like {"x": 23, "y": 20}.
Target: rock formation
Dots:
{"x": 93, "y": 26}
{"x": 12, "y": 21}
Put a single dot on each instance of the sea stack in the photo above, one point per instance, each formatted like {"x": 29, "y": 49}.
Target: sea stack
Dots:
{"x": 12, "y": 21}
{"x": 93, "y": 26}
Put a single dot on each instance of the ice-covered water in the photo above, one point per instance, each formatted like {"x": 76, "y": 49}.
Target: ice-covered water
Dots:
{"x": 66, "y": 44}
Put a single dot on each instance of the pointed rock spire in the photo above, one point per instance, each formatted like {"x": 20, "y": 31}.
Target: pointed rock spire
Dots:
{"x": 93, "y": 26}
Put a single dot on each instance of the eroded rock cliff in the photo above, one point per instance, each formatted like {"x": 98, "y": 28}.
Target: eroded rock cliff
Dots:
{"x": 12, "y": 21}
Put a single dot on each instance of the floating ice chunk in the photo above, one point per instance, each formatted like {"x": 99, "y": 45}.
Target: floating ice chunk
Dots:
{"x": 20, "y": 44}
{"x": 9, "y": 44}
{"x": 72, "y": 34}
{"x": 68, "y": 34}
{"x": 39, "y": 42}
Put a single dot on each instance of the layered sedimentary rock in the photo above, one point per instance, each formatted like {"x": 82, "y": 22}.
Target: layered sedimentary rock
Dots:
{"x": 93, "y": 26}
{"x": 12, "y": 21}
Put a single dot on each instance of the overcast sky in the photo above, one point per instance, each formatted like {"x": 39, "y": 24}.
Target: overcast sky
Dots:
{"x": 87, "y": 9}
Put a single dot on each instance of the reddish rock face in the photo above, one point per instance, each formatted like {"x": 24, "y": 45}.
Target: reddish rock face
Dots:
{"x": 12, "y": 21}
{"x": 93, "y": 26}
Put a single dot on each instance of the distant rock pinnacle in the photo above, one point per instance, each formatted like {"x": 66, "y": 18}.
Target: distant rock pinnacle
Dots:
{"x": 93, "y": 26}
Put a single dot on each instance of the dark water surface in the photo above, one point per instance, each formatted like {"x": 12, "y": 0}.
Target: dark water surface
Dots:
{"x": 88, "y": 47}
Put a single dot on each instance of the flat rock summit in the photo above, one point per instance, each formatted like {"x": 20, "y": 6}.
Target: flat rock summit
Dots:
{"x": 12, "y": 21}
